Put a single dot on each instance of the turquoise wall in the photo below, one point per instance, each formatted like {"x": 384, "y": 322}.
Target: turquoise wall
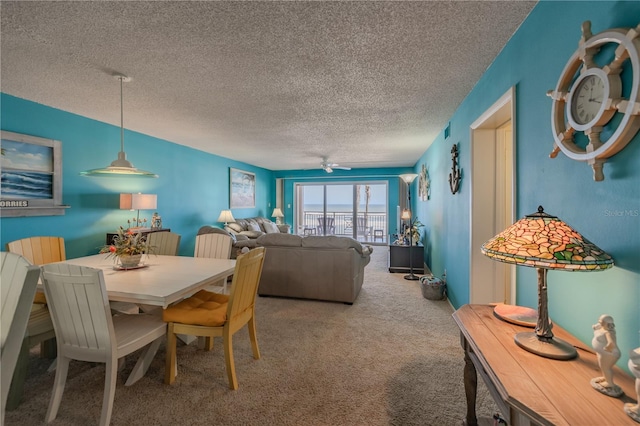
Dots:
{"x": 192, "y": 189}
{"x": 607, "y": 212}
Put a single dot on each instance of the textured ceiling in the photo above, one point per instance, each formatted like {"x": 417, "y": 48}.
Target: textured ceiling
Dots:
{"x": 276, "y": 84}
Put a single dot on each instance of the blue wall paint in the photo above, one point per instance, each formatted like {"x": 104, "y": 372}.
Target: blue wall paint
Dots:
{"x": 604, "y": 212}
{"x": 192, "y": 189}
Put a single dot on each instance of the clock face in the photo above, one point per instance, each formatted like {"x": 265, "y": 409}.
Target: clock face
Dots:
{"x": 587, "y": 98}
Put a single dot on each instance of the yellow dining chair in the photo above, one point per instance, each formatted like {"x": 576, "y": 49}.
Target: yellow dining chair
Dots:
{"x": 18, "y": 286}
{"x": 207, "y": 314}
{"x": 38, "y": 251}
{"x": 86, "y": 331}
{"x": 164, "y": 243}
{"x": 216, "y": 245}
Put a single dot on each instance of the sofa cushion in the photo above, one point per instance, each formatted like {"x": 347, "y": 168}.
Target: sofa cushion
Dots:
{"x": 280, "y": 239}
{"x": 331, "y": 241}
{"x": 270, "y": 228}
{"x": 252, "y": 234}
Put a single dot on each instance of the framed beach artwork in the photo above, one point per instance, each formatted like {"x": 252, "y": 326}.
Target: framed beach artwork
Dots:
{"x": 242, "y": 189}
{"x": 31, "y": 176}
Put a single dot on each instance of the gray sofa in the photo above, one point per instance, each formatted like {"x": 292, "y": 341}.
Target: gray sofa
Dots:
{"x": 315, "y": 267}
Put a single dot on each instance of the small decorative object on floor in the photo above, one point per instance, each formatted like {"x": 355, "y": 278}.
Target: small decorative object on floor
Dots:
{"x": 604, "y": 343}
{"x": 127, "y": 248}
{"x": 633, "y": 410}
{"x": 432, "y": 288}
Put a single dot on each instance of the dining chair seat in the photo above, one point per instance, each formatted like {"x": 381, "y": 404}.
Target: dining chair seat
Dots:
{"x": 209, "y": 315}
{"x": 86, "y": 331}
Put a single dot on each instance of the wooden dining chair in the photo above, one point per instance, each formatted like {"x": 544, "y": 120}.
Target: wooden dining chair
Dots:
{"x": 38, "y": 251}
{"x": 214, "y": 246}
{"x": 164, "y": 243}
{"x": 86, "y": 330}
{"x": 18, "y": 282}
{"x": 209, "y": 315}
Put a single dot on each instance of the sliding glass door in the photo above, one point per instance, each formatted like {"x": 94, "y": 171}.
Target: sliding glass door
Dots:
{"x": 346, "y": 209}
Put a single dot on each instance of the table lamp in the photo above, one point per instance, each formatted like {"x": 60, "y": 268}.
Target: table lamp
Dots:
{"x": 277, "y": 213}
{"x": 138, "y": 202}
{"x": 408, "y": 178}
{"x": 226, "y": 217}
{"x": 545, "y": 242}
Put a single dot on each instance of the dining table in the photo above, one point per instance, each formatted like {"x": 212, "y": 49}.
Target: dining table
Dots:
{"x": 158, "y": 281}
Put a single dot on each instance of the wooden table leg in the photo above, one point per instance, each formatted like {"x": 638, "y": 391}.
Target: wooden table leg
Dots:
{"x": 470, "y": 387}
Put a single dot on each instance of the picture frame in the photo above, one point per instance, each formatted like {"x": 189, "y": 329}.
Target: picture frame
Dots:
{"x": 242, "y": 189}
{"x": 31, "y": 176}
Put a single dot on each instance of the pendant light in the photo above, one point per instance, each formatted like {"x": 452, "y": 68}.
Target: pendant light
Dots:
{"x": 121, "y": 166}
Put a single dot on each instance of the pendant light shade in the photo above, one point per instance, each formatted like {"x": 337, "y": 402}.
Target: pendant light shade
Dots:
{"x": 121, "y": 166}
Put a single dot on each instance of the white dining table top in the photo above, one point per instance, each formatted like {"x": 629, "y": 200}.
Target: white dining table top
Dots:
{"x": 162, "y": 281}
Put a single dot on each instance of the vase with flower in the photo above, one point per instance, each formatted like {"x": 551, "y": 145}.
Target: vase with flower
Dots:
{"x": 127, "y": 248}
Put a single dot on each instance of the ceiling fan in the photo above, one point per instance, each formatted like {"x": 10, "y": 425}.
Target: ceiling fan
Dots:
{"x": 328, "y": 167}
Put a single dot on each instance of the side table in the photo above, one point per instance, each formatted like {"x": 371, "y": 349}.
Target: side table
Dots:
{"x": 399, "y": 258}
{"x": 530, "y": 389}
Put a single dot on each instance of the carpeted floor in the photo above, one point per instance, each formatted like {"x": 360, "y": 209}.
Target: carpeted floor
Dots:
{"x": 392, "y": 358}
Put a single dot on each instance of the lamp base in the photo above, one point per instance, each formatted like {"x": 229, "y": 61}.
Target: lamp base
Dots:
{"x": 553, "y": 348}
{"x": 411, "y": 277}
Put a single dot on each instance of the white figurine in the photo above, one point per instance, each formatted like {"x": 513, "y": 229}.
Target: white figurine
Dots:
{"x": 604, "y": 343}
{"x": 633, "y": 410}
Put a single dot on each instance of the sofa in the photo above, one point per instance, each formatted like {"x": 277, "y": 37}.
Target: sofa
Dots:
{"x": 329, "y": 268}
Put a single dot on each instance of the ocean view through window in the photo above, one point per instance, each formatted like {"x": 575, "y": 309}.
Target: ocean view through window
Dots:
{"x": 357, "y": 210}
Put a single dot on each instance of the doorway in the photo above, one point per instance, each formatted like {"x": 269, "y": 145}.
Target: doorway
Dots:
{"x": 492, "y": 199}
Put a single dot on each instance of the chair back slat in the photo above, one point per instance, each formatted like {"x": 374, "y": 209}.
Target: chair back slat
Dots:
{"x": 164, "y": 243}
{"x": 215, "y": 246}
{"x": 39, "y": 250}
{"x": 244, "y": 287}
{"x": 79, "y": 308}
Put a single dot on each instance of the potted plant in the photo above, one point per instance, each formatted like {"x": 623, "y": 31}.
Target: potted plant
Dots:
{"x": 127, "y": 248}
{"x": 414, "y": 231}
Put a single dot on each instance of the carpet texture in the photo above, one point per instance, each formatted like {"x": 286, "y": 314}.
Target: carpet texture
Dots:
{"x": 392, "y": 358}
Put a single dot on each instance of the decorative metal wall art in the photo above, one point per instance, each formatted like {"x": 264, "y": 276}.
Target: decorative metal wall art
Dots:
{"x": 456, "y": 173}
{"x": 424, "y": 184}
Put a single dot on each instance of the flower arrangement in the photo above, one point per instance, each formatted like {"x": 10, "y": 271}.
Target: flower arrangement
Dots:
{"x": 127, "y": 243}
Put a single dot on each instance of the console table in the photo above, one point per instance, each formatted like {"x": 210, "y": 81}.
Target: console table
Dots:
{"x": 399, "y": 258}
{"x": 529, "y": 389}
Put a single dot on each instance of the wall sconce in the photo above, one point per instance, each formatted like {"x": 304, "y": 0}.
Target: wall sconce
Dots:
{"x": 138, "y": 202}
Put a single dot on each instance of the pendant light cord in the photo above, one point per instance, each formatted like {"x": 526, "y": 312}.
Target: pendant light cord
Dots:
{"x": 121, "y": 116}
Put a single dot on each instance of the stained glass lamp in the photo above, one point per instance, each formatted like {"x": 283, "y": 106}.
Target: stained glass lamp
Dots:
{"x": 545, "y": 242}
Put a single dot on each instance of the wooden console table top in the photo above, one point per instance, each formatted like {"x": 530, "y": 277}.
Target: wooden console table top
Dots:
{"x": 531, "y": 389}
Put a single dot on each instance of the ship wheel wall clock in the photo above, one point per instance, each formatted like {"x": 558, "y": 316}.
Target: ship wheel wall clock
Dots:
{"x": 595, "y": 112}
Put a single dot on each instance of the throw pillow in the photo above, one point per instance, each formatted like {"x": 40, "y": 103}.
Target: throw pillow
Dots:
{"x": 270, "y": 228}
{"x": 235, "y": 227}
{"x": 253, "y": 226}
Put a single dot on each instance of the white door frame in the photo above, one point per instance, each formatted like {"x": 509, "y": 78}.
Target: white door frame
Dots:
{"x": 492, "y": 201}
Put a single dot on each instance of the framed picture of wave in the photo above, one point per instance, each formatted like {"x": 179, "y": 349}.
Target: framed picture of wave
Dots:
{"x": 242, "y": 189}
{"x": 31, "y": 176}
